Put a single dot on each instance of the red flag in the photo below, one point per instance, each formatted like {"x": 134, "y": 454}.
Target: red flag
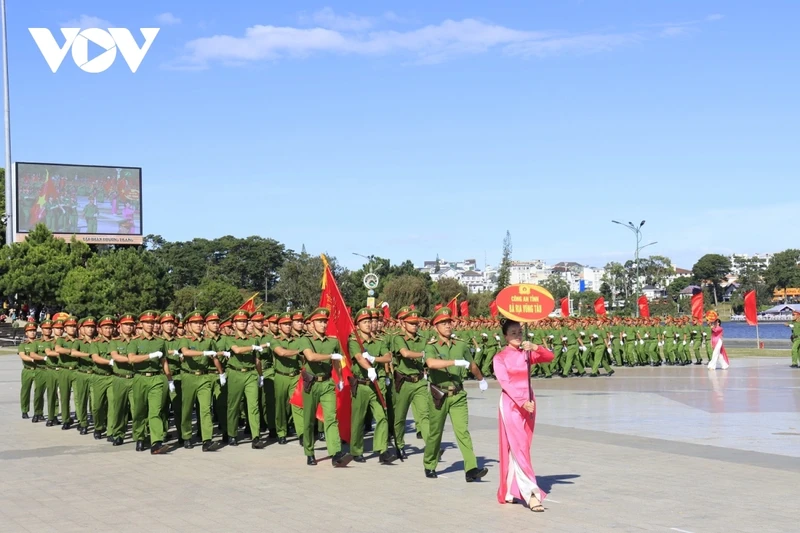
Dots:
{"x": 340, "y": 325}
{"x": 697, "y": 305}
{"x": 565, "y": 306}
{"x": 644, "y": 307}
{"x": 493, "y": 308}
{"x": 465, "y": 308}
{"x": 38, "y": 208}
{"x": 600, "y": 306}
{"x": 750, "y": 308}
{"x": 387, "y": 315}
{"x": 453, "y": 305}
{"x": 437, "y": 307}
{"x": 411, "y": 307}
{"x": 250, "y": 304}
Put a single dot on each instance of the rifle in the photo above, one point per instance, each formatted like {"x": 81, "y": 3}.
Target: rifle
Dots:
{"x": 382, "y": 401}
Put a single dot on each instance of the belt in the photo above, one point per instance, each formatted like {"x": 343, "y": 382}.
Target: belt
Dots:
{"x": 412, "y": 378}
{"x": 199, "y": 372}
{"x": 149, "y": 374}
{"x": 452, "y": 390}
{"x": 86, "y": 371}
{"x": 291, "y": 374}
{"x": 213, "y": 371}
{"x": 70, "y": 368}
{"x": 363, "y": 381}
{"x": 125, "y": 376}
{"x": 320, "y": 379}
{"x": 244, "y": 369}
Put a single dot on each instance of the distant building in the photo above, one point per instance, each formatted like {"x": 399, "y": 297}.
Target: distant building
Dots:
{"x": 529, "y": 272}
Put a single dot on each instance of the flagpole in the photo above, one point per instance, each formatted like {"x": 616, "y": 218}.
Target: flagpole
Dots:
{"x": 758, "y": 339}
{"x": 9, "y": 214}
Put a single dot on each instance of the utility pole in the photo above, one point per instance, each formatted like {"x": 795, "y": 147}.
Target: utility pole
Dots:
{"x": 637, "y": 230}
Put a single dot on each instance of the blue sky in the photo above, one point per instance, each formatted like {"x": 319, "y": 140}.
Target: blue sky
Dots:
{"x": 407, "y": 129}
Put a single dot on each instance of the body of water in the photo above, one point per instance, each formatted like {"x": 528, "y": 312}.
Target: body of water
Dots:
{"x": 770, "y": 330}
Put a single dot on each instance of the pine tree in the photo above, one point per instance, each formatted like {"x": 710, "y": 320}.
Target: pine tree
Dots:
{"x": 504, "y": 274}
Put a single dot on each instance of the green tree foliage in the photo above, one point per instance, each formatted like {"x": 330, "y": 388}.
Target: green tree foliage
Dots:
{"x": 678, "y": 284}
{"x": 655, "y": 270}
{"x": 784, "y": 270}
{"x": 116, "y": 281}
{"x": 34, "y": 269}
{"x": 504, "y": 272}
{"x": 583, "y": 302}
{"x": 448, "y": 288}
{"x": 479, "y": 303}
{"x": 406, "y": 290}
{"x": 711, "y": 269}
{"x": 557, "y": 286}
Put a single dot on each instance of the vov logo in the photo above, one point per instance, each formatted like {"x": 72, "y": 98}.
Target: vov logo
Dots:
{"x": 78, "y": 41}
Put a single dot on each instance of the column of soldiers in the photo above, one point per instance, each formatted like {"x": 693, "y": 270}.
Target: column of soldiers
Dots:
{"x": 154, "y": 371}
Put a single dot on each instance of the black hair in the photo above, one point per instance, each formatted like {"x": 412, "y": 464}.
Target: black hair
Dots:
{"x": 507, "y": 324}
{"x": 718, "y": 322}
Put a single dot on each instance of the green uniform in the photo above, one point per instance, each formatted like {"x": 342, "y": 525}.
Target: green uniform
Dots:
{"x": 366, "y": 398}
{"x": 455, "y": 404}
{"x": 322, "y": 392}
{"x": 90, "y": 213}
{"x": 569, "y": 338}
{"x": 267, "y": 398}
{"x": 68, "y": 376}
{"x": 414, "y": 390}
{"x": 103, "y": 381}
{"x": 174, "y": 398}
{"x": 29, "y": 373}
{"x": 120, "y": 398}
{"x": 795, "y": 338}
{"x": 287, "y": 374}
{"x": 242, "y": 384}
{"x": 219, "y": 391}
{"x": 50, "y": 375}
{"x": 149, "y": 389}
{"x": 599, "y": 351}
{"x": 197, "y": 386}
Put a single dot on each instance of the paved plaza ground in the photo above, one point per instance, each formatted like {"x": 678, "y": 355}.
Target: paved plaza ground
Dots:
{"x": 664, "y": 449}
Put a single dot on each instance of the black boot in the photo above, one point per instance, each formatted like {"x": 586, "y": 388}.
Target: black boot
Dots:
{"x": 232, "y": 441}
{"x": 208, "y": 446}
{"x": 340, "y": 459}
{"x": 258, "y": 444}
{"x": 139, "y": 446}
{"x": 187, "y": 444}
{"x": 158, "y": 448}
{"x": 311, "y": 461}
{"x": 431, "y": 474}
{"x": 98, "y": 435}
{"x": 84, "y": 431}
{"x": 281, "y": 440}
{"x": 386, "y": 458}
{"x": 25, "y": 416}
{"x": 359, "y": 459}
{"x": 475, "y": 474}
{"x": 117, "y": 442}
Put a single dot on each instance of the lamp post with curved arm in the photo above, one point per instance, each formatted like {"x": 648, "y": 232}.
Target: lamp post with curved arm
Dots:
{"x": 637, "y": 230}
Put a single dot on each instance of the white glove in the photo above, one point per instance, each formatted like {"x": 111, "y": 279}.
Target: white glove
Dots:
{"x": 497, "y": 337}
{"x": 388, "y": 382}
{"x": 583, "y": 333}
{"x": 257, "y": 348}
{"x": 563, "y": 338}
{"x": 563, "y": 349}
{"x": 483, "y": 385}
{"x": 155, "y": 355}
{"x": 269, "y": 344}
{"x": 366, "y": 356}
{"x": 461, "y": 363}
{"x": 111, "y": 363}
{"x": 478, "y": 350}
{"x": 452, "y": 335}
{"x": 691, "y": 342}
{"x": 583, "y": 348}
{"x": 675, "y": 342}
{"x": 209, "y": 353}
{"x": 175, "y": 352}
{"x": 223, "y": 378}
{"x": 226, "y": 354}
{"x": 340, "y": 385}
{"x": 660, "y": 343}
{"x": 594, "y": 336}
{"x": 622, "y": 342}
{"x": 171, "y": 385}
{"x": 608, "y": 350}
{"x": 371, "y": 374}
{"x": 260, "y": 381}
{"x": 484, "y": 335}
{"x": 336, "y": 357}
{"x": 646, "y": 335}
{"x": 530, "y": 334}
{"x": 684, "y": 343}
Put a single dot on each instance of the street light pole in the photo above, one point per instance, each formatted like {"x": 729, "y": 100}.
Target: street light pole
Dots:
{"x": 9, "y": 214}
{"x": 637, "y": 230}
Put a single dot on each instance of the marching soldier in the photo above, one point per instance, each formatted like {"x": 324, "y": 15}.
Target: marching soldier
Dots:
{"x": 411, "y": 389}
{"x": 448, "y": 361}
{"x": 363, "y": 390}
{"x": 46, "y": 345}
{"x": 198, "y": 354}
{"x": 219, "y": 387}
{"x": 795, "y": 338}
{"x": 244, "y": 379}
{"x": 120, "y": 398}
{"x": 103, "y": 375}
{"x": 287, "y": 375}
{"x": 169, "y": 323}
{"x": 320, "y": 352}
{"x": 30, "y": 362}
{"x": 69, "y": 375}
{"x": 146, "y": 354}
{"x": 268, "y": 371}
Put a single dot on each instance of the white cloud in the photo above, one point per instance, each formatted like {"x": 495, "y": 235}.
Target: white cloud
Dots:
{"x": 87, "y": 21}
{"x": 327, "y": 18}
{"x": 714, "y": 17}
{"x": 674, "y": 31}
{"x": 429, "y": 44}
{"x": 168, "y": 19}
